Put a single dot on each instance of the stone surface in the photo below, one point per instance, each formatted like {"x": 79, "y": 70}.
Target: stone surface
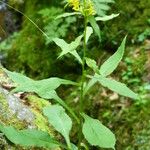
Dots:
{"x": 20, "y": 110}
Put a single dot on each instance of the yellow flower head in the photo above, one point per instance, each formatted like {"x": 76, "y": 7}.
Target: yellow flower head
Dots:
{"x": 86, "y": 9}
{"x": 75, "y": 4}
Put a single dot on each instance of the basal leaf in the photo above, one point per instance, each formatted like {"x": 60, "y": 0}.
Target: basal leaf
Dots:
{"x": 17, "y": 77}
{"x": 29, "y": 137}
{"x": 106, "y": 18}
{"x": 40, "y": 87}
{"x": 116, "y": 86}
{"x": 97, "y": 134}
{"x": 111, "y": 64}
{"x": 59, "y": 120}
{"x": 43, "y": 88}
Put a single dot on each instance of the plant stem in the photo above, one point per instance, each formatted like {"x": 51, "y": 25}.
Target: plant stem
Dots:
{"x": 81, "y": 109}
{"x": 69, "y": 145}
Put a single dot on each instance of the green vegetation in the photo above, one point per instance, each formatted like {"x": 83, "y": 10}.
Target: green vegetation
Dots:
{"x": 85, "y": 56}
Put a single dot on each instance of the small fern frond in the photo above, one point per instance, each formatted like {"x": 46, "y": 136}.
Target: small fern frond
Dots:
{"x": 101, "y": 6}
{"x": 55, "y": 28}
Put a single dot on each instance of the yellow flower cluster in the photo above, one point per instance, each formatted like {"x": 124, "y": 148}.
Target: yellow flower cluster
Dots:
{"x": 90, "y": 10}
{"x": 87, "y": 9}
{"x": 75, "y": 4}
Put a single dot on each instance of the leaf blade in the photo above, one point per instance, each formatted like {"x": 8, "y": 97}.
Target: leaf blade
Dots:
{"x": 95, "y": 26}
{"x": 89, "y": 85}
{"x": 29, "y": 137}
{"x": 64, "y": 15}
{"x": 92, "y": 64}
{"x": 106, "y": 18}
{"x": 77, "y": 56}
{"x": 97, "y": 134}
{"x": 44, "y": 88}
{"x": 68, "y": 48}
{"x": 40, "y": 87}
{"x": 111, "y": 63}
{"x": 116, "y": 86}
{"x": 89, "y": 32}
{"x": 59, "y": 120}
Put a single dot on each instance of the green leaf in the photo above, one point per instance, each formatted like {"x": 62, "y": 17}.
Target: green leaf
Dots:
{"x": 89, "y": 85}
{"x": 61, "y": 102}
{"x": 66, "y": 48}
{"x": 111, "y": 64}
{"x": 89, "y": 32}
{"x": 59, "y": 120}
{"x": 44, "y": 88}
{"x": 97, "y": 134}
{"x": 147, "y": 87}
{"x": 74, "y": 147}
{"x": 116, "y": 86}
{"x": 68, "y": 15}
{"x": 63, "y": 45}
{"x": 106, "y": 18}
{"x": 29, "y": 137}
{"x": 95, "y": 26}
{"x": 69, "y": 48}
{"x": 92, "y": 64}
{"x": 77, "y": 56}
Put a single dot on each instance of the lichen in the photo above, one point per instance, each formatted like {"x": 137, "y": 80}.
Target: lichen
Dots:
{"x": 7, "y": 117}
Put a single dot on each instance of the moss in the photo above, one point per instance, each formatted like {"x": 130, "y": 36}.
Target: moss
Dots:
{"x": 37, "y": 104}
{"x": 34, "y": 103}
{"x": 28, "y": 52}
{"x": 8, "y": 118}
{"x": 133, "y": 20}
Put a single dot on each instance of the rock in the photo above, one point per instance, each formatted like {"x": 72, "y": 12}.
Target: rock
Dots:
{"x": 21, "y": 111}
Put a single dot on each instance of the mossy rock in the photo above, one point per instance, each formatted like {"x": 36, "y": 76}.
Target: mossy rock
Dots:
{"x": 20, "y": 111}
